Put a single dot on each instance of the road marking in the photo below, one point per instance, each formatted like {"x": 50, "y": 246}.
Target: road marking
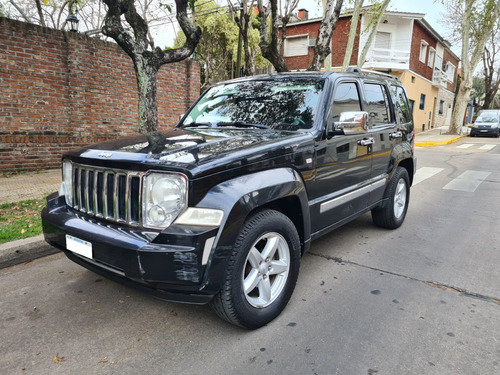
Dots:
{"x": 465, "y": 145}
{"x": 424, "y": 173}
{"x": 467, "y": 181}
{"x": 487, "y": 147}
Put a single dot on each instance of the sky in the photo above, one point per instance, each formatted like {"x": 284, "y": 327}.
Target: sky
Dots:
{"x": 434, "y": 11}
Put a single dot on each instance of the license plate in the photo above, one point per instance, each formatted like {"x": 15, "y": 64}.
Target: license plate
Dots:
{"x": 483, "y": 131}
{"x": 79, "y": 246}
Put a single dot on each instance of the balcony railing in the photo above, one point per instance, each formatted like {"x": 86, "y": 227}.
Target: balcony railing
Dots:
{"x": 439, "y": 78}
{"x": 381, "y": 56}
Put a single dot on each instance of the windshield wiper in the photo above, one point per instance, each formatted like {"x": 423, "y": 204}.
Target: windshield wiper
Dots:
{"x": 197, "y": 124}
{"x": 242, "y": 124}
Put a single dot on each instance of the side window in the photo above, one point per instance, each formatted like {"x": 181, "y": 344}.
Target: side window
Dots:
{"x": 346, "y": 99}
{"x": 377, "y": 105}
{"x": 401, "y": 105}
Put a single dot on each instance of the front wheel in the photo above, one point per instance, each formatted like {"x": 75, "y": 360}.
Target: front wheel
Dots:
{"x": 262, "y": 271}
{"x": 397, "y": 196}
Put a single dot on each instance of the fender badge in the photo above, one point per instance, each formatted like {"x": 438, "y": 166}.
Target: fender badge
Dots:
{"x": 105, "y": 154}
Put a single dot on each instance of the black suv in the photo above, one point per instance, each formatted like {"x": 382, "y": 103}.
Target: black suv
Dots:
{"x": 221, "y": 208}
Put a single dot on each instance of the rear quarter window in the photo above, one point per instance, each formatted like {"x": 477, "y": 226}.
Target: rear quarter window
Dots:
{"x": 401, "y": 105}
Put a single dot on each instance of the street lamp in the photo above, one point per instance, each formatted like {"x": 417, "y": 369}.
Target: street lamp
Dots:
{"x": 72, "y": 20}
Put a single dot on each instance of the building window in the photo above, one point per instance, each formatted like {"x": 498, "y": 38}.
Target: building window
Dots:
{"x": 422, "y": 101}
{"x": 383, "y": 43}
{"x": 423, "y": 50}
{"x": 432, "y": 57}
{"x": 296, "y": 45}
{"x": 412, "y": 79}
{"x": 449, "y": 68}
{"x": 441, "y": 107}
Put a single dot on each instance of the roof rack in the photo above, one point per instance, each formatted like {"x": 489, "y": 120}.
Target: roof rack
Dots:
{"x": 355, "y": 69}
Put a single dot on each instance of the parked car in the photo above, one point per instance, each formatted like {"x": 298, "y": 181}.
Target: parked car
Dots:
{"x": 221, "y": 208}
{"x": 487, "y": 123}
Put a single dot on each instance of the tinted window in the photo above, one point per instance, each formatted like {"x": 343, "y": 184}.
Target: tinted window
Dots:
{"x": 346, "y": 99}
{"x": 283, "y": 104}
{"x": 401, "y": 105}
{"x": 377, "y": 104}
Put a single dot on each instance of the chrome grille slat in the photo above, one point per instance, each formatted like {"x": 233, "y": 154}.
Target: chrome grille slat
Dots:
{"x": 112, "y": 194}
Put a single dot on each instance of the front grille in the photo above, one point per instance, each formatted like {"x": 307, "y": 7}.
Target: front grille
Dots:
{"x": 110, "y": 194}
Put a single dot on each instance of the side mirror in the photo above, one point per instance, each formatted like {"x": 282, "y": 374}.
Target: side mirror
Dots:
{"x": 351, "y": 123}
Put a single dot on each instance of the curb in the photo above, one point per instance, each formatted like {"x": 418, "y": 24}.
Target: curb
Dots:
{"x": 28, "y": 249}
{"x": 437, "y": 143}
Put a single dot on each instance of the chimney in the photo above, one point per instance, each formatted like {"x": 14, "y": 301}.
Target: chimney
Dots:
{"x": 303, "y": 14}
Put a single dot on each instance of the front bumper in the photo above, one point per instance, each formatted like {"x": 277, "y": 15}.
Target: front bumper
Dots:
{"x": 171, "y": 264}
{"x": 484, "y": 131}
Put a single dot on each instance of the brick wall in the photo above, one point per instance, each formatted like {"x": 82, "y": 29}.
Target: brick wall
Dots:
{"x": 61, "y": 91}
{"x": 417, "y": 66}
{"x": 338, "y": 46}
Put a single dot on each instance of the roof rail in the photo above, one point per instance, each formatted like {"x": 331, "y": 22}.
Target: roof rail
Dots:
{"x": 368, "y": 71}
{"x": 355, "y": 69}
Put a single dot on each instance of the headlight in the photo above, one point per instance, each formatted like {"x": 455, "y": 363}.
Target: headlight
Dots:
{"x": 67, "y": 182}
{"x": 164, "y": 197}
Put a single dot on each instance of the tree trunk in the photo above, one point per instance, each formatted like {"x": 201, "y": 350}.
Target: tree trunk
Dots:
{"x": 461, "y": 103}
{"x": 146, "y": 74}
{"x": 326, "y": 29}
{"x": 352, "y": 34}
{"x": 269, "y": 48}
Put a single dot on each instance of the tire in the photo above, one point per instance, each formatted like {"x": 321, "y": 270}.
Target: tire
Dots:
{"x": 265, "y": 258}
{"x": 397, "y": 196}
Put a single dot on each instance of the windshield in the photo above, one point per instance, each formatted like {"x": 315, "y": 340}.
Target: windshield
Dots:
{"x": 487, "y": 117}
{"x": 284, "y": 104}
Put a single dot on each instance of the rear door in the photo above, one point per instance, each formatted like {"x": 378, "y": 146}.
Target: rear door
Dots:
{"x": 384, "y": 132}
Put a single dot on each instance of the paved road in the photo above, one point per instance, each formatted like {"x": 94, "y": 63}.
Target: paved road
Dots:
{"x": 424, "y": 299}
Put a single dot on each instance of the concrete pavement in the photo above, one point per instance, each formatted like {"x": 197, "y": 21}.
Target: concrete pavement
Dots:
{"x": 34, "y": 185}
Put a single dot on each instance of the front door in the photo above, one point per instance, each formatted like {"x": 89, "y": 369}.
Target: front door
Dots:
{"x": 343, "y": 167}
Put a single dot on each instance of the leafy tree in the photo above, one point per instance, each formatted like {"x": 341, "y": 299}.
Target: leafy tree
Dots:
{"x": 216, "y": 48}
{"x": 472, "y": 22}
{"x": 130, "y": 31}
{"x": 491, "y": 68}
{"x": 249, "y": 29}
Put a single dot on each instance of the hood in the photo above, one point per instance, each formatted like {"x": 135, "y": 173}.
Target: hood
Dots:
{"x": 192, "y": 149}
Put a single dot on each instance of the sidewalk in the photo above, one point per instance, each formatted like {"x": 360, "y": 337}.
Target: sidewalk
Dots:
{"x": 19, "y": 187}
{"x": 438, "y": 136}
{"x": 34, "y": 185}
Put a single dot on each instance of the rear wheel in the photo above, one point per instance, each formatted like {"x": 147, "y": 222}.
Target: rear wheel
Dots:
{"x": 397, "y": 196}
{"x": 262, "y": 271}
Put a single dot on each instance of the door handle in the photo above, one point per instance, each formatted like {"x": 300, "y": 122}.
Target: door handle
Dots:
{"x": 395, "y": 135}
{"x": 366, "y": 141}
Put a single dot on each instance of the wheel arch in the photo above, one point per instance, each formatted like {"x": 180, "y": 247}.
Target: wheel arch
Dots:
{"x": 280, "y": 189}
